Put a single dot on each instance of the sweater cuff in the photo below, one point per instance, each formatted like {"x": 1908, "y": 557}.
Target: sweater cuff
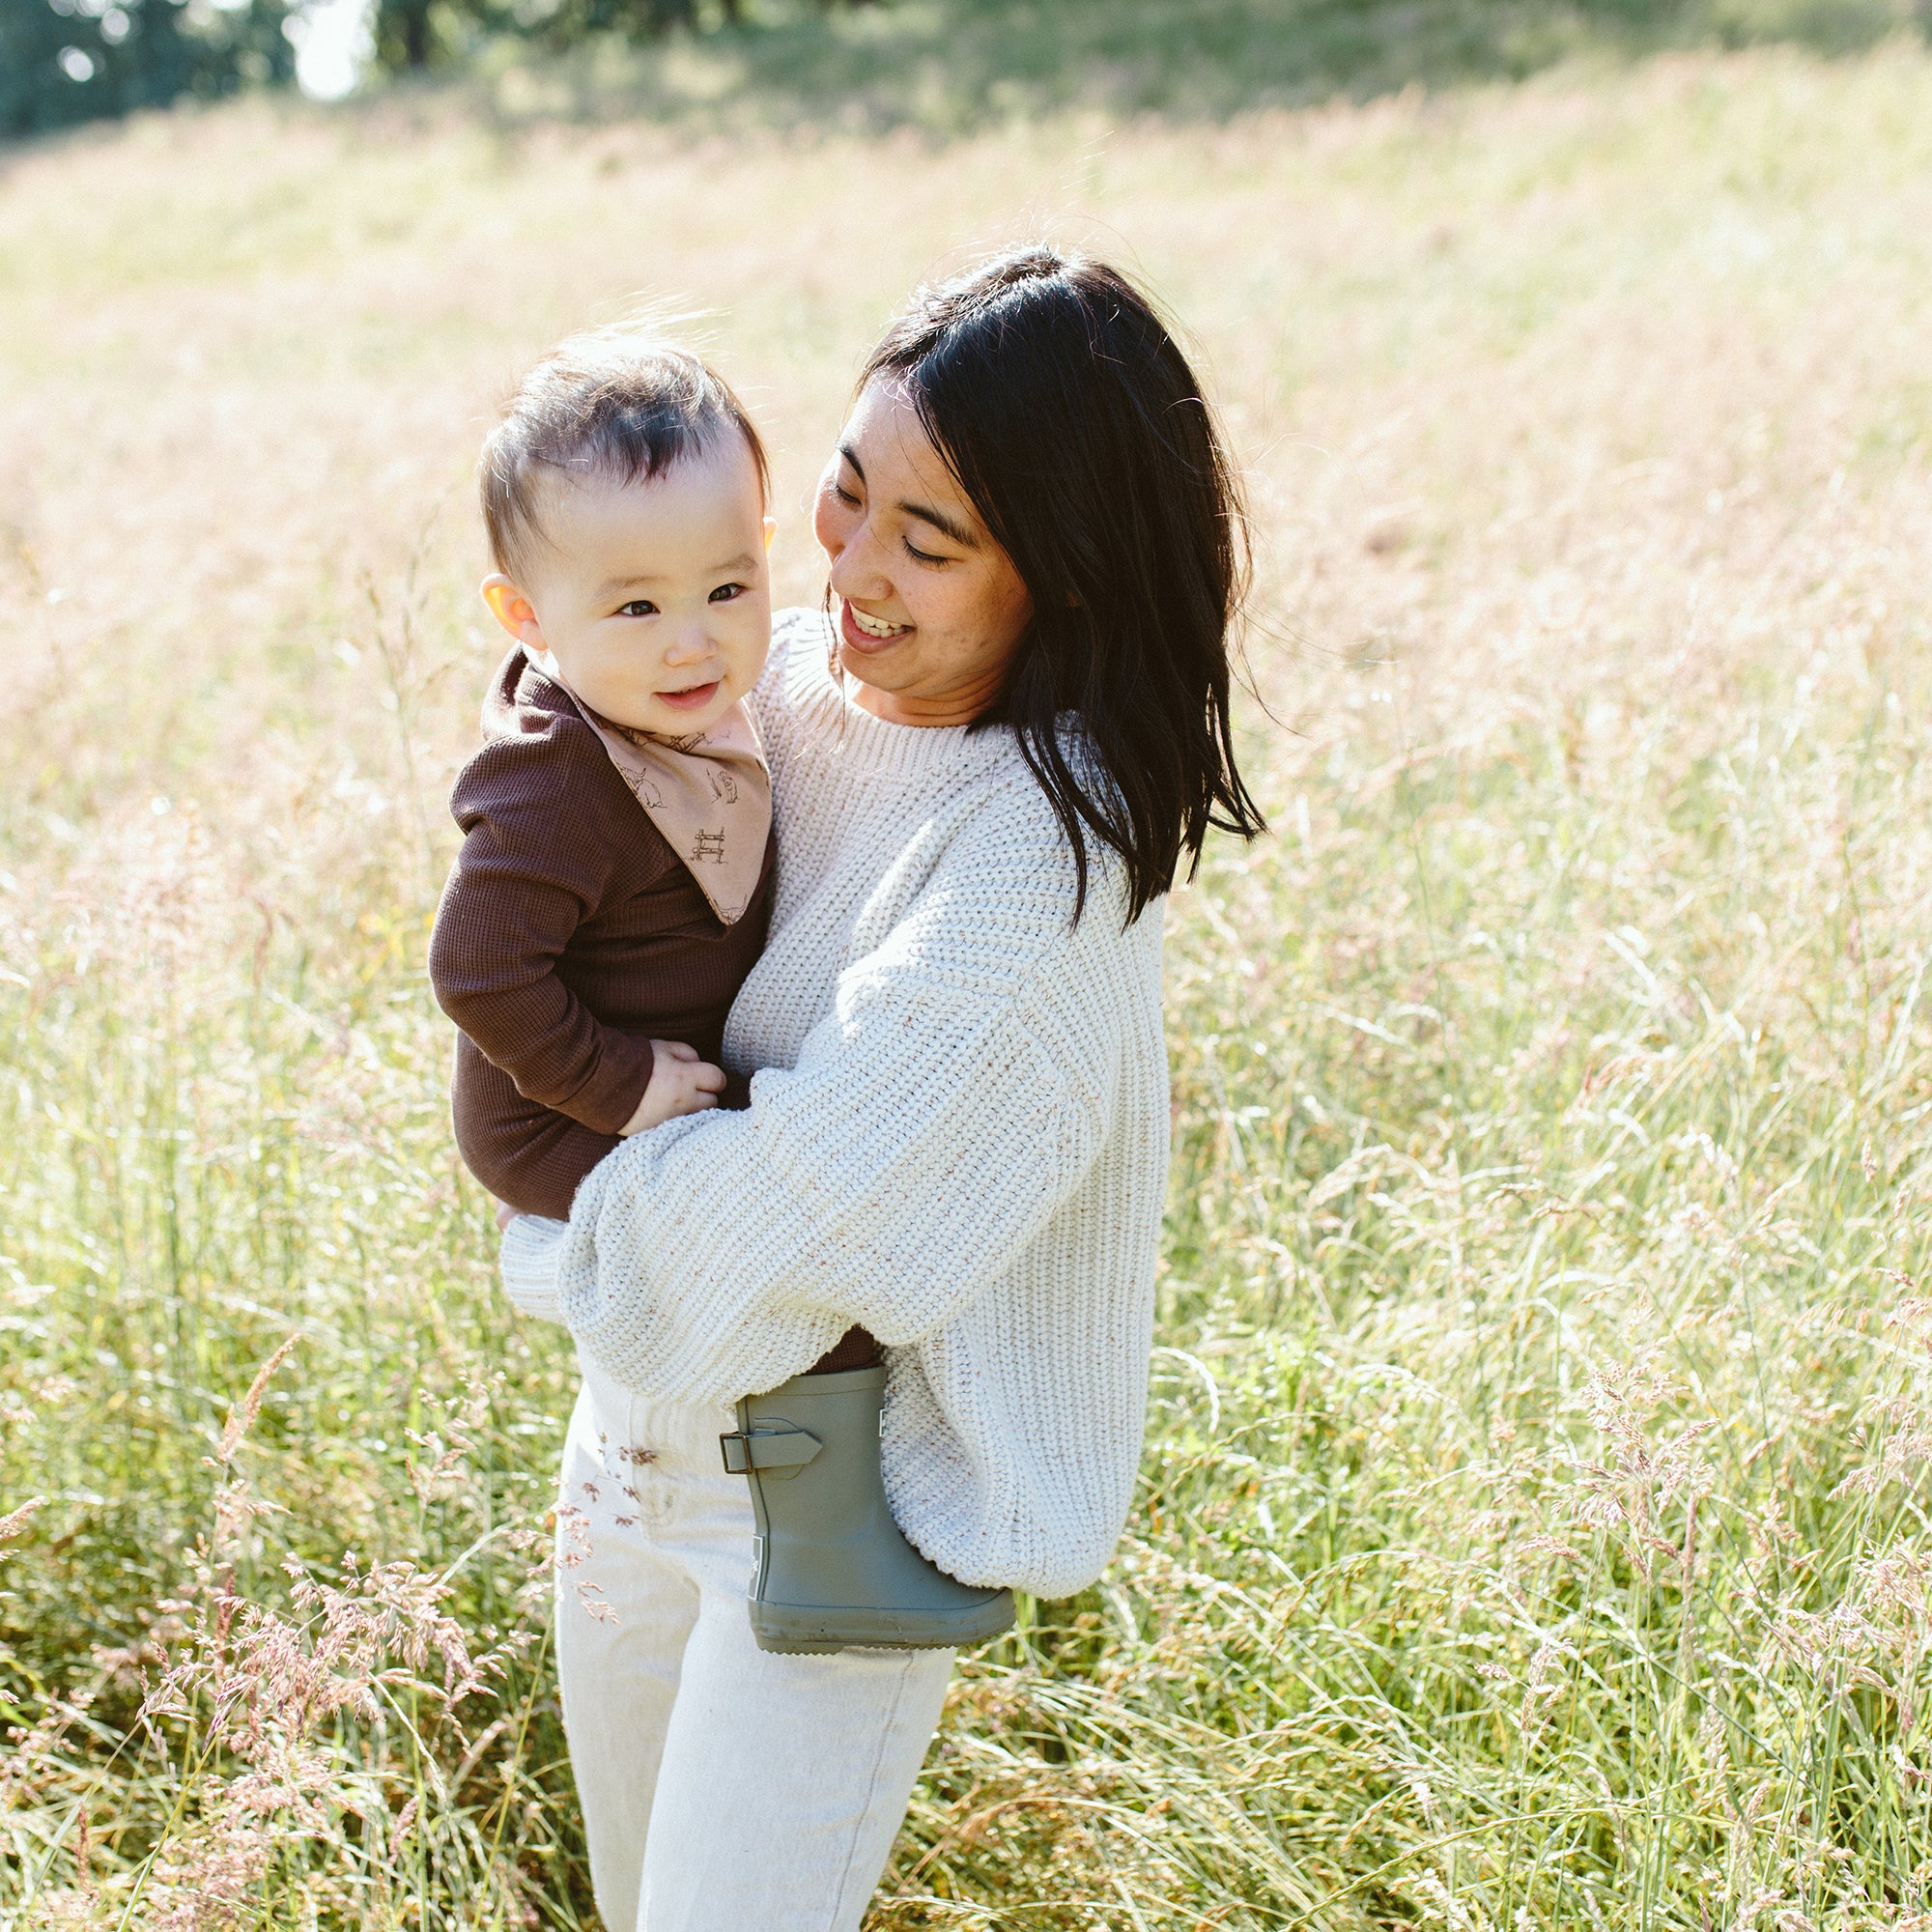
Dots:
{"x": 530, "y": 1247}
{"x": 606, "y": 1100}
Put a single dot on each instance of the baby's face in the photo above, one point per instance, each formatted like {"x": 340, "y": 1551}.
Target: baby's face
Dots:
{"x": 654, "y": 597}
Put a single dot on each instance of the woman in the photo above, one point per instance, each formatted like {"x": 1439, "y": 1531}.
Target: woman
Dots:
{"x": 987, "y": 764}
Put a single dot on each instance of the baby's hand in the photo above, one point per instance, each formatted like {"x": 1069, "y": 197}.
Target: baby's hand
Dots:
{"x": 680, "y": 1084}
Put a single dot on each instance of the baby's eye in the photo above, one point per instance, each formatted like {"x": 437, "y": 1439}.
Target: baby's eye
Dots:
{"x": 726, "y": 593}
{"x": 637, "y": 607}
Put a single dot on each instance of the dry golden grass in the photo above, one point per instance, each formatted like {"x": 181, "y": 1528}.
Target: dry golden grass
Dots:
{"x": 1532, "y": 1533}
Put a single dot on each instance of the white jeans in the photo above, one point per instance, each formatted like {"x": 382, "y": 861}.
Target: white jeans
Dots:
{"x": 725, "y": 1788}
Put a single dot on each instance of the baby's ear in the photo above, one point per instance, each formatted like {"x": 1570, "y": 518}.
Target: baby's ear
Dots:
{"x": 512, "y": 610}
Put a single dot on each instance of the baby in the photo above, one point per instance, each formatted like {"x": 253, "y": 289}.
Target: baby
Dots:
{"x": 614, "y": 883}
{"x": 614, "y": 887}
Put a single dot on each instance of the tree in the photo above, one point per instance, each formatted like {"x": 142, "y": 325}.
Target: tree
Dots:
{"x": 65, "y": 61}
{"x": 410, "y": 35}
{"x": 404, "y": 35}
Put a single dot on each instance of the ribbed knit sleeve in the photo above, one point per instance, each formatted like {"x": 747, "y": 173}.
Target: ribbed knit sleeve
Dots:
{"x": 528, "y": 876}
{"x": 951, "y": 1101}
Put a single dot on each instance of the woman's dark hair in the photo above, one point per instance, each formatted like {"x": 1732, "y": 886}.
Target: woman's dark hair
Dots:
{"x": 1076, "y": 428}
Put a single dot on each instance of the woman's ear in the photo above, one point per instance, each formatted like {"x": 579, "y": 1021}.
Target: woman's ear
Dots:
{"x": 512, "y": 610}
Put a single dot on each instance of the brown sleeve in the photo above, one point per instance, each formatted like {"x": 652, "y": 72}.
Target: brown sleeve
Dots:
{"x": 537, "y": 859}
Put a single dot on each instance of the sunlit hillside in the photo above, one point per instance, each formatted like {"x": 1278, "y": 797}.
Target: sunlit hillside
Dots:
{"x": 1533, "y": 1523}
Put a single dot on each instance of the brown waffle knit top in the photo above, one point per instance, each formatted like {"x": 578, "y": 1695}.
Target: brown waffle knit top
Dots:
{"x": 570, "y": 934}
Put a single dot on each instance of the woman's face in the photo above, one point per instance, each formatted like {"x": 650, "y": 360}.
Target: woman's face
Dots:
{"x": 930, "y": 608}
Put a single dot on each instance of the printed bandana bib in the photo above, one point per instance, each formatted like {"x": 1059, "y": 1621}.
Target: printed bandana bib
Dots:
{"x": 710, "y": 794}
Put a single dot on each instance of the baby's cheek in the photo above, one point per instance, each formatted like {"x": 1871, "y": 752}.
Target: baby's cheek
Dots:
{"x": 751, "y": 648}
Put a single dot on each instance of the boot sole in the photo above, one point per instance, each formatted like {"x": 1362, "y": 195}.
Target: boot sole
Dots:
{"x": 810, "y": 1628}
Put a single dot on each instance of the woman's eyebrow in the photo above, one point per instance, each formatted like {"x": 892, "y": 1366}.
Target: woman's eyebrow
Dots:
{"x": 948, "y": 526}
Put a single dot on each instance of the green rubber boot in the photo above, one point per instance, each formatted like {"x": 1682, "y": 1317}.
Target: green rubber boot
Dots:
{"x": 834, "y": 1570}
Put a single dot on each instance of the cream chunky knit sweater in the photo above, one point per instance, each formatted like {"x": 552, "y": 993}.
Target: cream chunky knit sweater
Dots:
{"x": 958, "y": 1137}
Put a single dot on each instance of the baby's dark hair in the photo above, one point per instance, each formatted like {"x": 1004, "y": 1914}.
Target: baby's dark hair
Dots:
{"x": 614, "y": 403}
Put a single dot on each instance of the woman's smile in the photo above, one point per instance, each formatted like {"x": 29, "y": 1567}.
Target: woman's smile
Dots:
{"x": 866, "y": 633}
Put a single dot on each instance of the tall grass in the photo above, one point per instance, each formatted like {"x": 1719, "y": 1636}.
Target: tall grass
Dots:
{"x": 1532, "y": 1527}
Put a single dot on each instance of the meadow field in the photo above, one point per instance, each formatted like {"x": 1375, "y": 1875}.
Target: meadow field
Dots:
{"x": 1533, "y": 1529}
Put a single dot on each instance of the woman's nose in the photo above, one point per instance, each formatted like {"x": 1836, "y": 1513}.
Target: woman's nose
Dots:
{"x": 856, "y": 570}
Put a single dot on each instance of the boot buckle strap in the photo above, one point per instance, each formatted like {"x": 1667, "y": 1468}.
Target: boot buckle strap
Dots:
{"x": 766, "y": 1449}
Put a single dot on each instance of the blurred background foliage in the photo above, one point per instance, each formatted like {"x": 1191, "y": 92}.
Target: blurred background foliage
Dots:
{"x": 948, "y": 65}
{"x": 64, "y": 61}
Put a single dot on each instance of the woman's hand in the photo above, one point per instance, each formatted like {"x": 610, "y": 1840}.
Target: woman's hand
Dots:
{"x": 680, "y": 1083}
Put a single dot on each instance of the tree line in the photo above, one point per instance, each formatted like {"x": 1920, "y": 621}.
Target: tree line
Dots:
{"x": 67, "y": 61}
{"x": 64, "y": 61}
